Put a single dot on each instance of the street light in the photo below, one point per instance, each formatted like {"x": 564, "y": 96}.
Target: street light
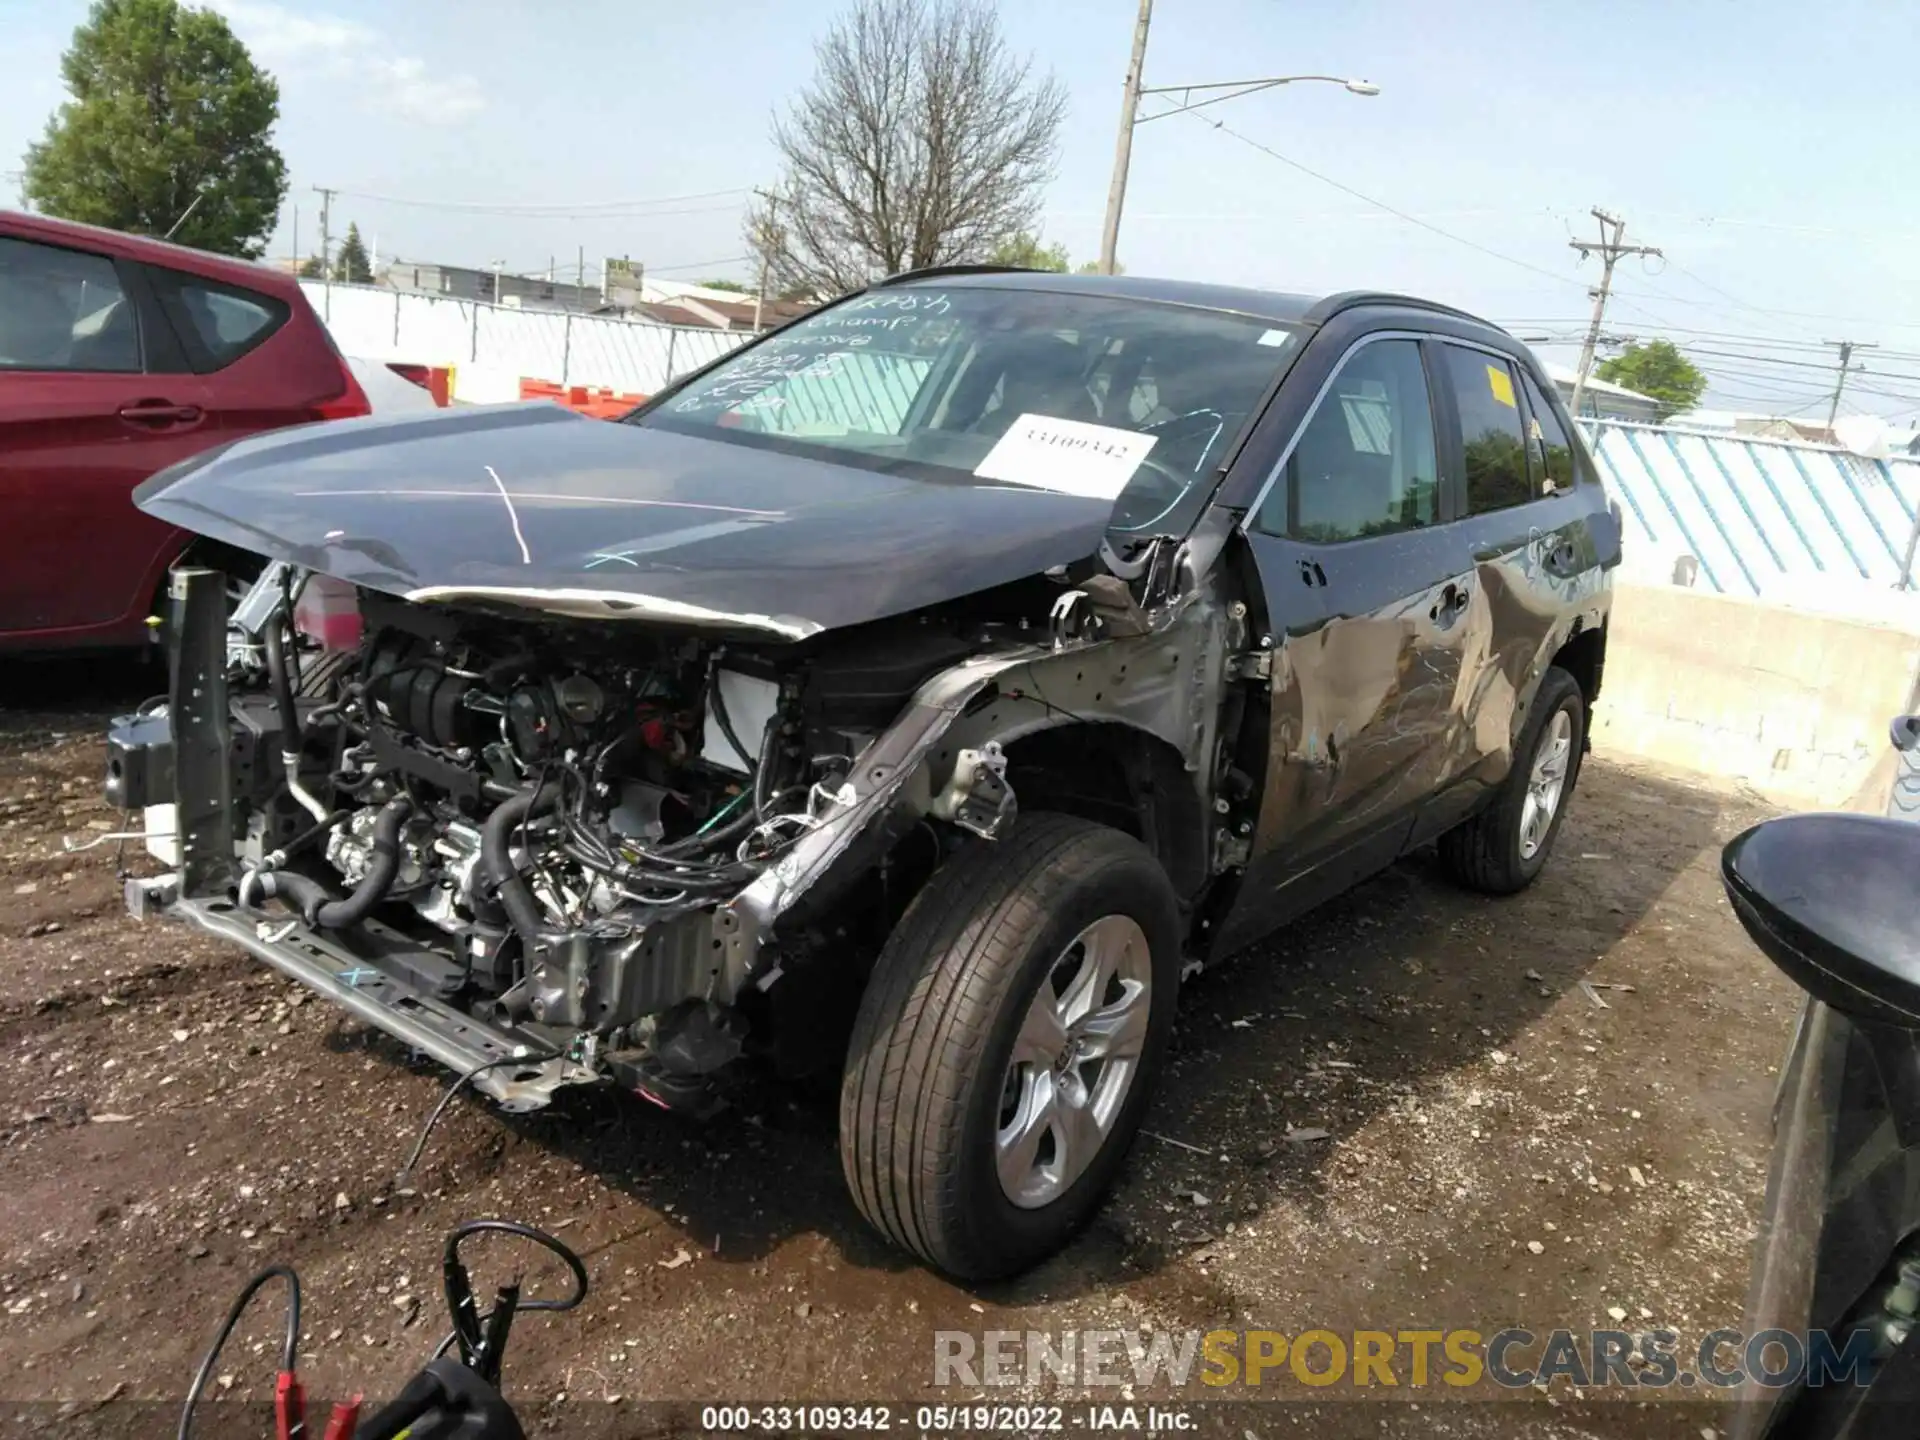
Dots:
{"x": 1130, "y": 116}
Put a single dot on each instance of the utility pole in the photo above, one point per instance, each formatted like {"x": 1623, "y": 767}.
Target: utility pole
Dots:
{"x": 326, "y": 240}
{"x": 1212, "y": 92}
{"x": 296, "y": 242}
{"x": 1846, "y": 349}
{"x": 766, "y": 237}
{"x": 1612, "y": 227}
{"x": 1123, "y": 147}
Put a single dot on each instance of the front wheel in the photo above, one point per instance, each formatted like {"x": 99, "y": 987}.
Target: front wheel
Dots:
{"x": 1501, "y": 849}
{"x": 1008, "y": 1043}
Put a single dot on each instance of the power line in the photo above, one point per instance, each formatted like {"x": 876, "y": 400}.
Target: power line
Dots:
{"x": 1796, "y": 314}
{"x": 696, "y": 265}
{"x": 1693, "y": 348}
{"x": 1379, "y": 204}
{"x": 584, "y": 209}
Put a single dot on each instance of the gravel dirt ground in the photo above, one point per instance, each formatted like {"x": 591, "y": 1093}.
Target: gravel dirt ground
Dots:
{"x": 1475, "y": 1142}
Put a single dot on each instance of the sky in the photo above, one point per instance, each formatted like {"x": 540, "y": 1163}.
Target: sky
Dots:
{"x": 1766, "y": 148}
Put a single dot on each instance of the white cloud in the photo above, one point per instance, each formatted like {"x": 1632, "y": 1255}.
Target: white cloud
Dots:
{"x": 406, "y": 88}
{"x": 340, "y": 48}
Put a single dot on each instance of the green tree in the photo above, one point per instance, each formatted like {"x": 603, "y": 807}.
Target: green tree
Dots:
{"x": 313, "y": 268}
{"x": 1657, "y": 369}
{"x": 353, "y": 267}
{"x": 1023, "y": 249}
{"x": 733, "y": 285}
{"x": 169, "y": 129}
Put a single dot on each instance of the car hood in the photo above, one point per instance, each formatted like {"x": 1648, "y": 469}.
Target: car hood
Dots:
{"x": 538, "y": 508}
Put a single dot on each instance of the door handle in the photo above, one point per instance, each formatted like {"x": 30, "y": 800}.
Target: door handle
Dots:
{"x": 159, "y": 414}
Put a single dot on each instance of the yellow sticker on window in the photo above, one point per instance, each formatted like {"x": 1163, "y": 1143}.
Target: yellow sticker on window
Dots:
{"x": 1501, "y": 384}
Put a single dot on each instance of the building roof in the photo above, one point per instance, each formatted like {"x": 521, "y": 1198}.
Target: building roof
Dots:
{"x": 733, "y": 313}
{"x": 1566, "y": 375}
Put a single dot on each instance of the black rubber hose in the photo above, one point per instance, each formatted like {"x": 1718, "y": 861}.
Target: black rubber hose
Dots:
{"x": 273, "y": 636}
{"x": 763, "y": 766}
{"x": 306, "y": 896}
{"x": 382, "y": 870}
{"x": 312, "y": 899}
{"x": 496, "y": 858}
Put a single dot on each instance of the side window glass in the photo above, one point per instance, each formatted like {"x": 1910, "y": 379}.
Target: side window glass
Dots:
{"x": 1490, "y": 431}
{"x": 1549, "y": 454}
{"x": 219, "y": 323}
{"x": 63, "y": 310}
{"x": 1364, "y": 464}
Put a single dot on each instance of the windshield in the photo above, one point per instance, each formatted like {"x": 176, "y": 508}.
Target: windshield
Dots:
{"x": 1118, "y": 399}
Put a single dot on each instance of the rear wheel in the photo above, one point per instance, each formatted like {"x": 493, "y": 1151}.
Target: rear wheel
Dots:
{"x": 1008, "y": 1043}
{"x": 1501, "y": 849}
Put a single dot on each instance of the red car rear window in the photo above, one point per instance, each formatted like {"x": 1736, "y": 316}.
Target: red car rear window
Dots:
{"x": 217, "y": 323}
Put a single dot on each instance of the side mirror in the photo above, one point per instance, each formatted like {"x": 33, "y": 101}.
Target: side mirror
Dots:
{"x": 1834, "y": 901}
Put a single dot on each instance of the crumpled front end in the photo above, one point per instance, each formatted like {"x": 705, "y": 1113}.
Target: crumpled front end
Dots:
{"x": 550, "y": 851}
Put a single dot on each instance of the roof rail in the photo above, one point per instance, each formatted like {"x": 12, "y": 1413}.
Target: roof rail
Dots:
{"x": 928, "y": 272}
{"x": 1325, "y": 309}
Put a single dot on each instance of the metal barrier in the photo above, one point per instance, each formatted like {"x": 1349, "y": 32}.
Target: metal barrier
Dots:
{"x": 559, "y": 346}
{"x": 1776, "y": 519}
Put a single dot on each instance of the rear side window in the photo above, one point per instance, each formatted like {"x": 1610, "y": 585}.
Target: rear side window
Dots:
{"x": 64, "y": 310}
{"x": 217, "y": 323}
{"x": 1364, "y": 464}
{"x": 1549, "y": 454}
{"x": 1491, "y": 437}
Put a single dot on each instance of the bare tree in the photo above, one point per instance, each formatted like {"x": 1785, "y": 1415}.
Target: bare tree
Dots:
{"x": 921, "y": 141}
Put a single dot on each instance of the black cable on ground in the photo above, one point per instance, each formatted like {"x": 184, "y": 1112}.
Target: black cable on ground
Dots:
{"x": 426, "y": 1130}
{"x": 288, "y": 1348}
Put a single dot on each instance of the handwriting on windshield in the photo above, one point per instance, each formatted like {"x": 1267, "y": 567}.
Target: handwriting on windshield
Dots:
{"x": 754, "y": 373}
{"x": 818, "y": 348}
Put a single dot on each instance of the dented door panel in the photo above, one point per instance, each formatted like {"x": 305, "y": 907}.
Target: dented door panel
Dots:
{"x": 1382, "y": 683}
{"x": 1369, "y": 709}
{"x": 1536, "y": 567}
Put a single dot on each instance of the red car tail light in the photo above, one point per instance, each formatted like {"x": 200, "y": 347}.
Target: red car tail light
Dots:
{"x": 349, "y": 404}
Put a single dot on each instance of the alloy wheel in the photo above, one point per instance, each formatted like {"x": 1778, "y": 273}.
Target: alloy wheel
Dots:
{"x": 1546, "y": 783}
{"x": 1074, "y": 1058}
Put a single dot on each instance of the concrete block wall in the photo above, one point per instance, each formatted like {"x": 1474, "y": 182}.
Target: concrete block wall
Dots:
{"x": 1792, "y": 701}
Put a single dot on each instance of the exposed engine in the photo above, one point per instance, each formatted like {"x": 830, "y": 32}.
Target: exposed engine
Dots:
{"x": 543, "y": 800}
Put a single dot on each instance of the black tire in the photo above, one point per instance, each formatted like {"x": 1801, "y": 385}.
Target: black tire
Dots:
{"x": 318, "y": 672}
{"x": 1485, "y": 852}
{"x": 920, "y": 1101}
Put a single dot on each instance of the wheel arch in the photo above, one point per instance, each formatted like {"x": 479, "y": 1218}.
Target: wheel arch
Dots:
{"x": 1119, "y": 775}
{"x": 1583, "y": 655}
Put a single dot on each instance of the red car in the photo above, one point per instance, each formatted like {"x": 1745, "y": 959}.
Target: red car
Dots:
{"x": 119, "y": 356}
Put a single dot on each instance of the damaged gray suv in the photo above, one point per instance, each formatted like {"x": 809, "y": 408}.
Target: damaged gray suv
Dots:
{"x": 919, "y": 691}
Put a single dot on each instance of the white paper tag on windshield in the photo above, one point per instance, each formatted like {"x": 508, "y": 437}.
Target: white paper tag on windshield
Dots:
{"x": 1069, "y": 456}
